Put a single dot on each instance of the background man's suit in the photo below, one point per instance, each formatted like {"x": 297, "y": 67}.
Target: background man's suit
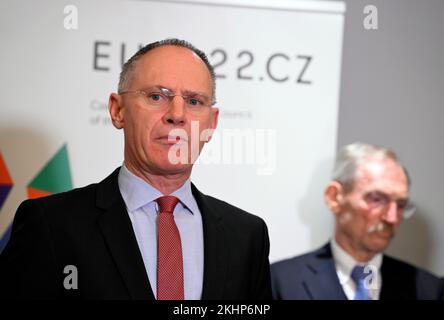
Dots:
{"x": 313, "y": 276}
{"x": 90, "y": 229}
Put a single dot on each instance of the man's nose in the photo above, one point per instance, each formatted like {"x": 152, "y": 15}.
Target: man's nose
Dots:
{"x": 176, "y": 110}
{"x": 392, "y": 214}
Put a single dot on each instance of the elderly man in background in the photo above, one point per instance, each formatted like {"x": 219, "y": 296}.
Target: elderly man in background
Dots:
{"x": 369, "y": 197}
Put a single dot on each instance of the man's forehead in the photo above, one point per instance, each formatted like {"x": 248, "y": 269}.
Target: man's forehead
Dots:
{"x": 171, "y": 54}
{"x": 172, "y": 62}
{"x": 383, "y": 173}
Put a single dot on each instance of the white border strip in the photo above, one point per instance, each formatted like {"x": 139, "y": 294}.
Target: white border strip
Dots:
{"x": 315, "y": 6}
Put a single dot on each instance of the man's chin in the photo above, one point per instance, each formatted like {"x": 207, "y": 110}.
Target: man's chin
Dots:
{"x": 168, "y": 168}
{"x": 379, "y": 243}
{"x": 180, "y": 155}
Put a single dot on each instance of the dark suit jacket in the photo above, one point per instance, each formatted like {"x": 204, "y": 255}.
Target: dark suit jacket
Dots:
{"x": 312, "y": 276}
{"x": 90, "y": 229}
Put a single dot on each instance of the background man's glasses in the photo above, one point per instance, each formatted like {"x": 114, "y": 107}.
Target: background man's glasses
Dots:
{"x": 381, "y": 201}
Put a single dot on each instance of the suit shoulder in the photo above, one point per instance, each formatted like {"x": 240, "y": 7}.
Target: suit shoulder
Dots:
{"x": 57, "y": 206}
{"x": 425, "y": 284}
{"x": 306, "y": 262}
{"x": 229, "y": 211}
{"x": 398, "y": 265}
{"x": 288, "y": 276}
{"x": 64, "y": 197}
{"x": 293, "y": 262}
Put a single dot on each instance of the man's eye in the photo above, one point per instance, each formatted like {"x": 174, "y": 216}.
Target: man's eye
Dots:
{"x": 156, "y": 97}
{"x": 376, "y": 198}
{"x": 402, "y": 204}
{"x": 194, "y": 102}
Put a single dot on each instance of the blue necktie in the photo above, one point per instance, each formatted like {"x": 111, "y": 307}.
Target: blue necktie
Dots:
{"x": 359, "y": 276}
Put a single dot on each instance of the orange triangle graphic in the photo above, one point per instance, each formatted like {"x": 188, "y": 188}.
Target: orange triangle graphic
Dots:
{"x": 5, "y": 178}
{"x": 37, "y": 193}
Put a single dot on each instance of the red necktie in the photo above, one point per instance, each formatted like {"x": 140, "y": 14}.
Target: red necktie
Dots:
{"x": 169, "y": 252}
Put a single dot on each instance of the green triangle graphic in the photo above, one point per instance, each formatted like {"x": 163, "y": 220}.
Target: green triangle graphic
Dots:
{"x": 55, "y": 176}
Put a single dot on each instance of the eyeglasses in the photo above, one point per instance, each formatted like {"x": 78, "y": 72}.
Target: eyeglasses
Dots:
{"x": 381, "y": 201}
{"x": 161, "y": 98}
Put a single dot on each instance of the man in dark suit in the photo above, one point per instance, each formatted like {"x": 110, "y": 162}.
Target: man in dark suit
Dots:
{"x": 145, "y": 231}
{"x": 369, "y": 198}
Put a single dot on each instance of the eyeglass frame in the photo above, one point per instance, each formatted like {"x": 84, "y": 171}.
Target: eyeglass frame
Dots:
{"x": 170, "y": 95}
{"x": 404, "y": 205}
{"x": 408, "y": 211}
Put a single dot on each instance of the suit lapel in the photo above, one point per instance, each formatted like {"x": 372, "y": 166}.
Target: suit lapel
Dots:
{"x": 322, "y": 282}
{"x": 215, "y": 253}
{"x": 398, "y": 280}
{"x": 120, "y": 239}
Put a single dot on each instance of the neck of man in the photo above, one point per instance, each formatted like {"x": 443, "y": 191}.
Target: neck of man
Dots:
{"x": 359, "y": 254}
{"x": 165, "y": 183}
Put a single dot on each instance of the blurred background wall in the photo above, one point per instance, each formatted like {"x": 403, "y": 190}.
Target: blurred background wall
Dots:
{"x": 392, "y": 93}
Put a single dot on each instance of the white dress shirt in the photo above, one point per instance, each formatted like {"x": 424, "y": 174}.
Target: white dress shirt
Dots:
{"x": 344, "y": 265}
{"x": 139, "y": 198}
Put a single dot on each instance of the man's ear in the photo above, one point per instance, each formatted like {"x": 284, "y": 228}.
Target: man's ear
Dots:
{"x": 115, "y": 107}
{"x": 334, "y": 196}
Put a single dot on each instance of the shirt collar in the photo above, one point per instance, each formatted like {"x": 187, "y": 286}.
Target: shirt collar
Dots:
{"x": 345, "y": 262}
{"x": 185, "y": 196}
{"x": 137, "y": 193}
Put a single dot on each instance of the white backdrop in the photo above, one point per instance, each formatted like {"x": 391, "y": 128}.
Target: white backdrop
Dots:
{"x": 279, "y": 68}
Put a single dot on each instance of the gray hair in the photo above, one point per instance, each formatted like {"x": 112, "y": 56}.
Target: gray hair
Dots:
{"x": 352, "y": 156}
{"x": 130, "y": 65}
